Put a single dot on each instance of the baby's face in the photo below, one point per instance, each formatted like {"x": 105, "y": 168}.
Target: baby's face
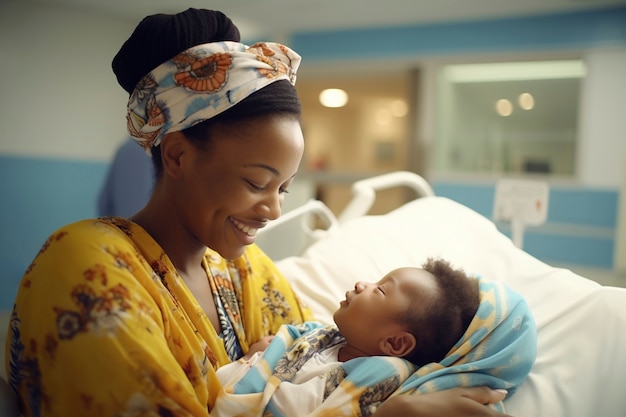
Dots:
{"x": 372, "y": 309}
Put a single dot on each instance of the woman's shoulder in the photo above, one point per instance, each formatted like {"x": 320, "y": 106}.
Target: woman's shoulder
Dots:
{"x": 94, "y": 232}
{"x": 96, "y": 227}
{"x": 87, "y": 245}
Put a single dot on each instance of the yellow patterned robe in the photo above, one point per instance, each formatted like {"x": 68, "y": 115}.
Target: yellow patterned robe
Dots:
{"x": 104, "y": 326}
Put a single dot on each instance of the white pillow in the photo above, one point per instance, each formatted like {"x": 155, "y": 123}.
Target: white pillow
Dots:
{"x": 580, "y": 369}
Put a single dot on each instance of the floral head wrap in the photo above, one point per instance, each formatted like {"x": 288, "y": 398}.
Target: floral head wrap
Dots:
{"x": 202, "y": 82}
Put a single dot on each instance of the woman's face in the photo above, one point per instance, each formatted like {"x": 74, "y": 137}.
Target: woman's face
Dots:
{"x": 239, "y": 183}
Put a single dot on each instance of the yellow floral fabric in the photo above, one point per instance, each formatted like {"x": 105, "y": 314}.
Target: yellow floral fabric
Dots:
{"x": 104, "y": 326}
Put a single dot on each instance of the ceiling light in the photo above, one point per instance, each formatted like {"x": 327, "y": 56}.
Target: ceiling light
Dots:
{"x": 383, "y": 116}
{"x": 526, "y": 101}
{"x": 399, "y": 108}
{"x": 333, "y": 97}
{"x": 504, "y": 107}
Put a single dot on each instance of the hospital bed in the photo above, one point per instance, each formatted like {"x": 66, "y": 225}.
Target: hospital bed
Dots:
{"x": 580, "y": 370}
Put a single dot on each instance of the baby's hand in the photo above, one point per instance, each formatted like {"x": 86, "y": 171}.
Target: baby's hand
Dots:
{"x": 258, "y": 346}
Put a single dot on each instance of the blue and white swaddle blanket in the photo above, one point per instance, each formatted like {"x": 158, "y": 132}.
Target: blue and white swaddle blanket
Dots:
{"x": 498, "y": 350}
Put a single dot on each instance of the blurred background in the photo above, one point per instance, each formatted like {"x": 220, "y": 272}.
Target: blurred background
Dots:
{"x": 462, "y": 92}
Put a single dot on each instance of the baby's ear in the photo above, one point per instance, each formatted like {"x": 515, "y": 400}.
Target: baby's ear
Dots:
{"x": 398, "y": 344}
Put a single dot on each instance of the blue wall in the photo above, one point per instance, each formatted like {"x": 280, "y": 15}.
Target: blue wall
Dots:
{"x": 580, "y": 229}
{"x": 561, "y": 31}
{"x": 38, "y": 196}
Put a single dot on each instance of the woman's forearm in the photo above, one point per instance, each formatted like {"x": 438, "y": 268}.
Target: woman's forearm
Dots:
{"x": 460, "y": 402}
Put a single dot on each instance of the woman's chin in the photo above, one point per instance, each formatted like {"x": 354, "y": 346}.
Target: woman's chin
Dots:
{"x": 228, "y": 250}
{"x": 233, "y": 253}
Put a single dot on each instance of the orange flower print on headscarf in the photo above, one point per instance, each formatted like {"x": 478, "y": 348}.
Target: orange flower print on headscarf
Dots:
{"x": 205, "y": 75}
{"x": 155, "y": 120}
{"x": 262, "y": 49}
{"x": 278, "y": 68}
{"x": 202, "y": 82}
{"x": 265, "y": 55}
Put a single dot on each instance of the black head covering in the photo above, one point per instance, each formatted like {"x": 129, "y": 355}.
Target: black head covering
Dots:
{"x": 160, "y": 37}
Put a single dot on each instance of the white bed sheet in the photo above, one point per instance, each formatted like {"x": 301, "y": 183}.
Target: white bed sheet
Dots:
{"x": 581, "y": 365}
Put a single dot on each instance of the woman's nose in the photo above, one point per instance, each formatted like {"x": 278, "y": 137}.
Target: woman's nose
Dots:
{"x": 271, "y": 206}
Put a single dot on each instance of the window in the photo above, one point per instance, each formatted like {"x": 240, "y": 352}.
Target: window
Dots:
{"x": 508, "y": 118}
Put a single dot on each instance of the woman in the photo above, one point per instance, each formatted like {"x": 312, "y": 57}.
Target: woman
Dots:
{"x": 132, "y": 316}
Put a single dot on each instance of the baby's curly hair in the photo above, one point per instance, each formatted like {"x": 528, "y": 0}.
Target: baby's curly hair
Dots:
{"x": 443, "y": 321}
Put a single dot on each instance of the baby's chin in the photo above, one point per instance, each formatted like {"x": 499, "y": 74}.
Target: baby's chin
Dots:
{"x": 335, "y": 319}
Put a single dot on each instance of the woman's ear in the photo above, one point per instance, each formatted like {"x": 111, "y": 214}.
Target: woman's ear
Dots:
{"x": 173, "y": 147}
{"x": 398, "y": 344}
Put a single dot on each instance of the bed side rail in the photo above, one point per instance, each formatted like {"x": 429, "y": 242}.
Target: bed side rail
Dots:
{"x": 285, "y": 237}
{"x": 364, "y": 191}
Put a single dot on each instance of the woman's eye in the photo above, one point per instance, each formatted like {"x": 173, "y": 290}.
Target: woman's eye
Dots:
{"x": 381, "y": 290}
{"x": 259, "y": 188}
{"x": 254, "y": 186}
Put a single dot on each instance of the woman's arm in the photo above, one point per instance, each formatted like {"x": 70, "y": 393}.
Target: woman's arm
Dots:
{"x": 460, "y": 402}
{"x": 94, "y": 333}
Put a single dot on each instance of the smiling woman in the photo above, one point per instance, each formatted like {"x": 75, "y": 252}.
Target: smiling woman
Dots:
{"x": 250, "y": 177}
{"x": 178, "y": 289}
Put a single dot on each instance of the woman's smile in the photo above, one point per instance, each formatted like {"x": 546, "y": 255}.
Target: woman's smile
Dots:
{"x": 249, "y": 231}
{"x": 246, "y": 232}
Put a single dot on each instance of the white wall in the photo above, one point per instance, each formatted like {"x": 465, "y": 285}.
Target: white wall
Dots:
{"x": 603, "y": 119}
{"x": 58, "y": 94}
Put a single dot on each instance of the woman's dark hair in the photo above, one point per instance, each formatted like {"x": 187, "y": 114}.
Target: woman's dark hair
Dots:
{"x": 443, "y": 321}
{"x": 160, "y": 37}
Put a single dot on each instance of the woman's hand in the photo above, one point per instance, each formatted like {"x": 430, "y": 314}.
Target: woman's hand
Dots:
{"x": 458, "y": 402}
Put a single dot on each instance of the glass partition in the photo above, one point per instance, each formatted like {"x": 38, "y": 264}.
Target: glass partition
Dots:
{"x": 508, "y": 118}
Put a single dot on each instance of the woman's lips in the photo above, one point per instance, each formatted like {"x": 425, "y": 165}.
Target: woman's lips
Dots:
{"x": 248, "y": 230}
